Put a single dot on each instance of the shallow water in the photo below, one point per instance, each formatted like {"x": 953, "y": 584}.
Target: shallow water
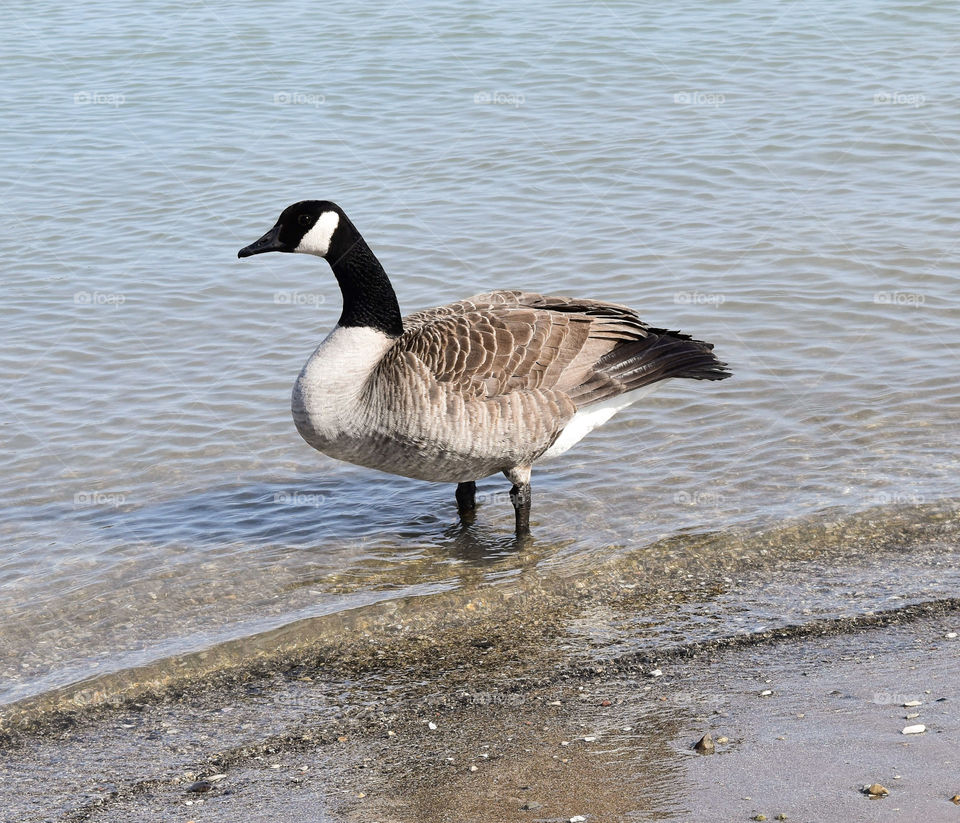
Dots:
{"x": 780, "y": 181}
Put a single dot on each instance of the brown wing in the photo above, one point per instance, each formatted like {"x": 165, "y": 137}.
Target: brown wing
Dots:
{"x": 504, "y": 341}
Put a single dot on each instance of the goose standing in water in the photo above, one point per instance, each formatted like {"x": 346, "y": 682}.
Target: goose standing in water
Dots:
{"x": 453, "y": 394}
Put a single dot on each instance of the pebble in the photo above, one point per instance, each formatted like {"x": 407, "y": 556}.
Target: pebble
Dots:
{"x": 876, "y": 790}
{"x": 759, "y": 817}
{"x": 955, "y": 800}
{"x": 577, "y": 818}
{"x": 918, "y": 729}
{"x": 766, "y": 693}
{"x": 950, "y": 635}
{"x": 780, "y": 816}
{"x": 531, "y": 806}
{"x": 656, "y": 673}
{"x": 473, "y": 768}
{"x": 911, "y": 715}
{"x": 200, "y": 786}
{"x": 722, "y": 739}
{"x": 589, "y": 739}
{"x": 432, "y": 726}
{"x": 912, "y": 703}
{"x": 704, "y": 745}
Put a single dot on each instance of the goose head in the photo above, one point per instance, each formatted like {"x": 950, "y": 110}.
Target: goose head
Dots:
{"x": 320, "y": 227}
{"x": 309, "y": 227}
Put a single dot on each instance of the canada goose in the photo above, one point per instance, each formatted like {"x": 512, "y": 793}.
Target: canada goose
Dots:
{"x": 489, "y": 384}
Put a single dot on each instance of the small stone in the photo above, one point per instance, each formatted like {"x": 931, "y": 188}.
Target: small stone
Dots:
{"x": 722, "y": 739}
{"x": 950, "y": 635}
{"x": 759, "y": 817}
{"x": 577, "y": 818}
{"x": 656, "y": 673}
{"x": 200, "y": 786}
{"x": 876, "y": 790}
{"x": 473, "y": 768}
{"x": 605, "y": 703}
{"x": 590, "y": 739}
{"x": 766, "y": 692}
{"x": 432, "y": 726}
{"x": 704, "y": 745}
{"x": 955, "y": 800}
{"x": 918, "y": 729}
{"x": 911, "y": 715}
{"x": 780, "y": 816}
{"x": 531, "y": 806}
{"x": 912, "y": 703}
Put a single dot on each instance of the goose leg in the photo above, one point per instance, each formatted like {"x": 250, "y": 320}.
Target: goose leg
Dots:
{"x": 520, "y": 496}
{"x": 466, "y": 496}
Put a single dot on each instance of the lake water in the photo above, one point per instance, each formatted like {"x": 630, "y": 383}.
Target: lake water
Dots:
{"x": 779, "y": 179}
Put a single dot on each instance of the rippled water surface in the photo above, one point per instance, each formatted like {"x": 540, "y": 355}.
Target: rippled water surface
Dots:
{"x": 779, "y": 179}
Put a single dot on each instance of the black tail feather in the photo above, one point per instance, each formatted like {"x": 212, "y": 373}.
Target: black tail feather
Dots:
{"x": 661, "y": 355}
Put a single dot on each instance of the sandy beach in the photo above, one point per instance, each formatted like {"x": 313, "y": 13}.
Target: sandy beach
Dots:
{"x": 546, "y": 703}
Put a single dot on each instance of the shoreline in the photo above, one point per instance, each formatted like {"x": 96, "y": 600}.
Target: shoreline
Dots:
{"x": 687, "y": 567}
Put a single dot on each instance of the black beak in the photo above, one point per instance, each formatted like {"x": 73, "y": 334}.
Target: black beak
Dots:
{"x": 269, "y": 242}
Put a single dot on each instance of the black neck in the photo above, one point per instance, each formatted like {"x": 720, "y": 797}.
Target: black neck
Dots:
{"x": 368, "y": 297}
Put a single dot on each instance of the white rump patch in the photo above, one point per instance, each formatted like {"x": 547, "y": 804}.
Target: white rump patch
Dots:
{"x": 588, "y": 418}
{"x": 317, "y": 240}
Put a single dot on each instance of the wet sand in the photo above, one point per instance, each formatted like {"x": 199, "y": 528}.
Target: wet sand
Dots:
{"x": 539, "y": 703}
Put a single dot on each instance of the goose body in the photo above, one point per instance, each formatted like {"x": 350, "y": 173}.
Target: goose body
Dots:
{"x": 456, "y": 393}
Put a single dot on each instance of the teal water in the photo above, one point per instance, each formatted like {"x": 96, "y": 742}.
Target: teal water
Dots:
{"x": 780, "y": 180}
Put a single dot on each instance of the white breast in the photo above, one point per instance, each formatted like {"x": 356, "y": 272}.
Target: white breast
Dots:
{"x": 326, "y": 396}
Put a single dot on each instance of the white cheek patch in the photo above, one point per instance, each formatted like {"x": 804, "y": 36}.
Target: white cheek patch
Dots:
{"x": 317, "y": 240}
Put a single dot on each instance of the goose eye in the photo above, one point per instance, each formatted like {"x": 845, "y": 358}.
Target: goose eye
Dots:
{"x": 304, "y": 219}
